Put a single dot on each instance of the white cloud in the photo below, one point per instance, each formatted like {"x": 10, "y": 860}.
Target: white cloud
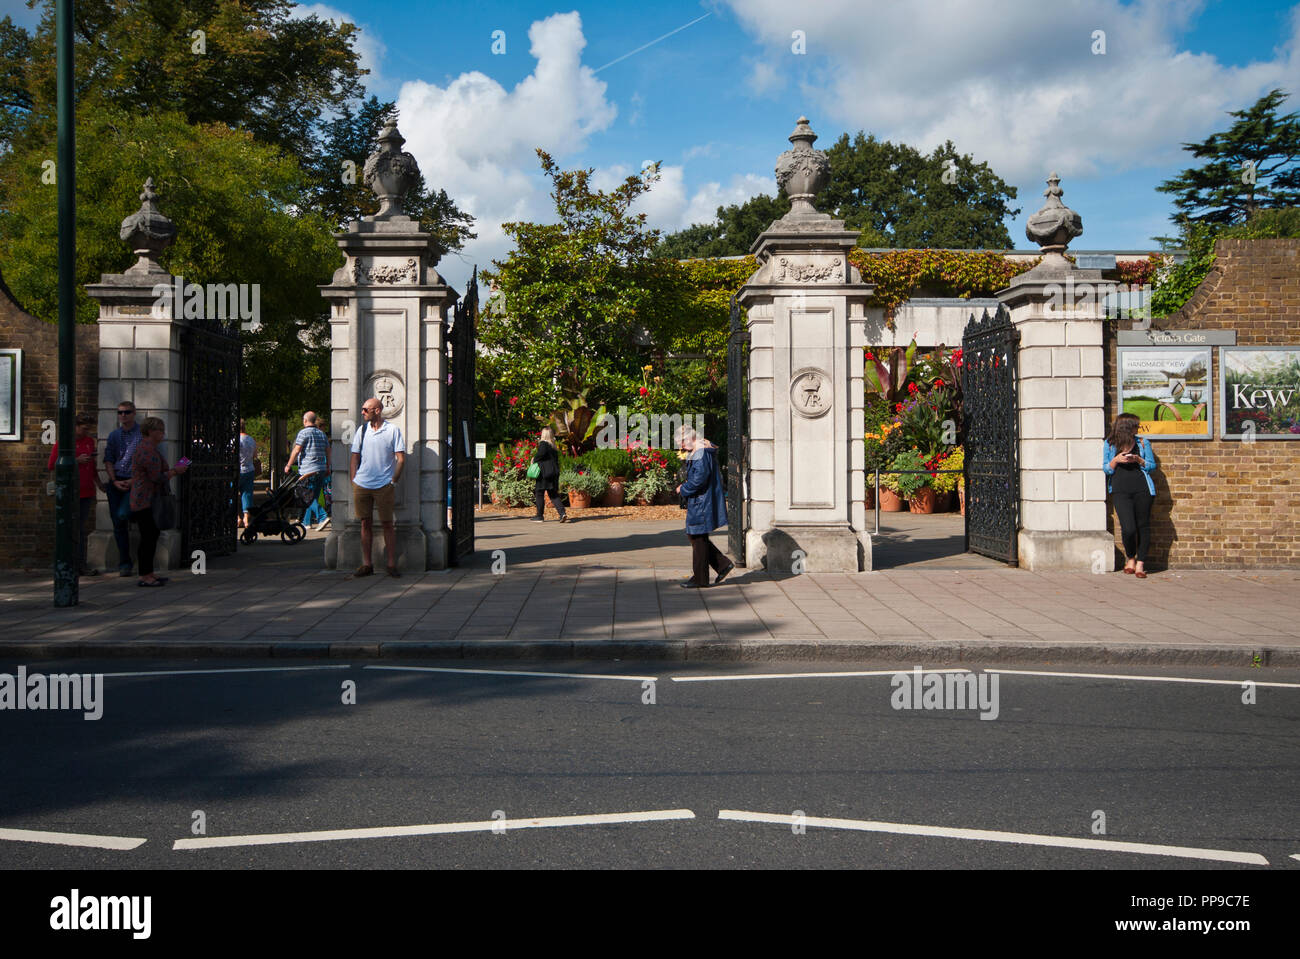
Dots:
{"x": 476, "y": 139}
{"x": 370, "y": 49}
{"x": 1011, "y": 84}
{"x": 667, "y": 204}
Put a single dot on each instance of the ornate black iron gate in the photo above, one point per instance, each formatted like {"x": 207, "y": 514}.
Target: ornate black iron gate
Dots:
{"x": 737, "y": 433}
{"x": 209, "y": 436}
{"x": 991, "y": 407}
{"x": 460, "y": 428}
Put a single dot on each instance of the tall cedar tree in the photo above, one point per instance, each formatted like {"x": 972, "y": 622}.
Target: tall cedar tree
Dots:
{"x": 1251, "y": 166}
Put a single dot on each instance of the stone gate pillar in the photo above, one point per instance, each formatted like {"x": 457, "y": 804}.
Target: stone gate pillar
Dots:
{"x": 1059, "y": 312}
{"x": 387, "y": 328}
{"x": 140, "y": 361}
{"x": 806, "y": 309}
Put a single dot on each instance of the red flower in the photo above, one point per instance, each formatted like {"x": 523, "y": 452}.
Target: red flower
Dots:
{"x": 514, "y": 400}
{"x": 898, "y": 407}
{"x": 911, "y": 387}
{"x": 497, "y": 392}
{"x": 938, "y": 382}
{"x": 870, "y": 355}
{"x": 643, "y": 391}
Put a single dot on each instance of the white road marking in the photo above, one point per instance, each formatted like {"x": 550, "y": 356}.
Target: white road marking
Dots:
{"x": 733, "y": 677}
{"x": 990, "y": 835}
{"x": 71, "y": 839}
{"x": 516, "y": 672}
{"x": 1144, "y": 679}
{"x": 379, "y": 832}
{"x": 206, "y": 672}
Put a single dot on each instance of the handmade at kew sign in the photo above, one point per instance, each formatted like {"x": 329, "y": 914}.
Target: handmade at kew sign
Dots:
{"x": 1167, "y": 389}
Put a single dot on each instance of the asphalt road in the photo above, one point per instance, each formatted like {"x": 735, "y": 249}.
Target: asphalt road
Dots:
{"x": 260, "y": 750}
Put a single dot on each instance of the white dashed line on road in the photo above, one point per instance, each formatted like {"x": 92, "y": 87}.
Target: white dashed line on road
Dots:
{"x": 989, "y": 835}
{"x": 515, "y": 672}
{"x": 721, "y": 678}
{"x": 1144, "y": 679}
{"x": 208, "y": 672}
{"x": 71, "y": 839}
{"x": 430, "y": 829}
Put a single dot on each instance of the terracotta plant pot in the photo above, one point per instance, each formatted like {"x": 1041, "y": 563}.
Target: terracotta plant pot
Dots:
{"x": 871, "y": 497}
{"x": 922, "y": 501}
{"x": 579, "y": 500}
{"x": 614, "y": 496}
{"x": 890, "y": 502}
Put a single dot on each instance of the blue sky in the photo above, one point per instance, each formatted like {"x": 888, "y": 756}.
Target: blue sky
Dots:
{"x": 1015, "y": 83}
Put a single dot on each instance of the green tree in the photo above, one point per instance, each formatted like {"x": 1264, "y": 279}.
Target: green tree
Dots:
{"x": 245, "y": 64}
{"x": 893, "y": 194}
{"x": 576, "y": 302}
{"x": 235, "y": 205}
{"x": 1251, "y": 166}
{"x": 188, "y": 91}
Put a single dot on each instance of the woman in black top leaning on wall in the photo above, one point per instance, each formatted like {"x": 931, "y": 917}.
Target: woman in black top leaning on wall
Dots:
{"x": 1128, "y": 463}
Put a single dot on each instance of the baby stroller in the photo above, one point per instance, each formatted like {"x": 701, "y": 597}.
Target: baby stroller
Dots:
{"x": 272, "y": 516}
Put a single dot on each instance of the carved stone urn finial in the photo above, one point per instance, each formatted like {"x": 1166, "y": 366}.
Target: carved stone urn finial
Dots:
{"x": 802, "y": 171}
{"x": 148, "y": 231}
{"x": 390, "y": 173}
{"x": 1055, "y": 225}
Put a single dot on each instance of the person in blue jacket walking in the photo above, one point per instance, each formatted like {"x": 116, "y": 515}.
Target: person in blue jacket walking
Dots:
{"x": 1128, "y": 462}
{"x": 706, "y": 508}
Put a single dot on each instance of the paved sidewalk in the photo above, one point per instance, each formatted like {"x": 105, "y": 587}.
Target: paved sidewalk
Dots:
{"x": 607, "y": 589}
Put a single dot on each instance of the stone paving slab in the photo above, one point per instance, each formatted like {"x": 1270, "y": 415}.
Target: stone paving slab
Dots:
{"x": 582, "y": 597}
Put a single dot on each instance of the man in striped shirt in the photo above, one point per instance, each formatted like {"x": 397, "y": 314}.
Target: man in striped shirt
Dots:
{"x": 312, "y": 445}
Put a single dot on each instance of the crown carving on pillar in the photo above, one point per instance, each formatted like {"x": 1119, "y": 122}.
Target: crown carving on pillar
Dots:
{"x": 1055, "y": 224}
{"x": 148, "y": 231}
{"x": 390, "y": 172}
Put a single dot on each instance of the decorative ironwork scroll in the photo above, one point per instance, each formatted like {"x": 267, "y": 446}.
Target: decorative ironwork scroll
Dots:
{"x": 991, "y": 407}
{"x": 737, "y": 433}
{"x": 460, "y": 428}
{"x": 211, "y": 353}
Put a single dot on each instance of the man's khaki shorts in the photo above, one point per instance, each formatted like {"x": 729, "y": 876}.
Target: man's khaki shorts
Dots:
{"x": 364, "y": 500}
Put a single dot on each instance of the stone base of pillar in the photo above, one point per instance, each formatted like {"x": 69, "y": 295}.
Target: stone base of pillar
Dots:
{"x": 826, "y": 549}
{"x": 101, "y": 551}
{"x": 417, "y": 548}
{"x": 1079, "y": 552}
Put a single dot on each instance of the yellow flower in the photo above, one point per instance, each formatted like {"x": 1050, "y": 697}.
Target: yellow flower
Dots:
{"x": 648, "y": 368}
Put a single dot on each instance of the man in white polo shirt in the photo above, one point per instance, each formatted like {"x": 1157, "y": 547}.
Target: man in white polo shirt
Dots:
{"x": 378, "y": 455}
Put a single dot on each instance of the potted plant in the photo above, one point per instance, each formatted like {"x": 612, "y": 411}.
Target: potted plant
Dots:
{"x": 909, "y": 485}
{"x": 945, "y": 483}
{"x": 583, "y": 486}
{"x": 617, "y": 465}
{"x": 649, "y": 486}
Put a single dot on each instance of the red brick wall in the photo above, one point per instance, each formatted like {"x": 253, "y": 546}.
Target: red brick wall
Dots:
{"x": 1225, "y": 503}
{"x": 26, "y": 509}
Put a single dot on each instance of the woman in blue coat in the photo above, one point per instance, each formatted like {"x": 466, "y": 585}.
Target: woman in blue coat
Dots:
{"x": 706, "y": 508}
{"x": 1128, "y": 463}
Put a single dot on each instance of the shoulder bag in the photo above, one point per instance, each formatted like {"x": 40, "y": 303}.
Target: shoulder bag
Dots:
{"x": 164, "y": 506}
